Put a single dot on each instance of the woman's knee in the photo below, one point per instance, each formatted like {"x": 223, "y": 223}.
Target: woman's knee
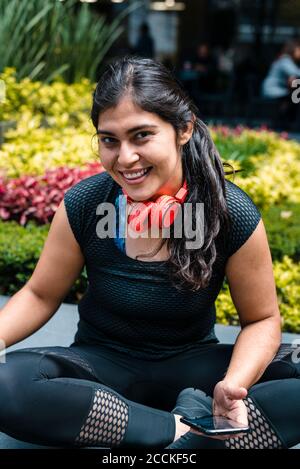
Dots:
{"x": 285, "y": 364}
{"x": 17, "y": 375}
{"x": 279, "y": 402}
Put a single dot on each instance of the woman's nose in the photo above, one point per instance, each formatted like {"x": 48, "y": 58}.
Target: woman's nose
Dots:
{"x": 127, "y": 155}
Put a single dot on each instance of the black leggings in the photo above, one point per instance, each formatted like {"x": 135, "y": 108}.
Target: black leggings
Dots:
{"x": 88, "y": 395}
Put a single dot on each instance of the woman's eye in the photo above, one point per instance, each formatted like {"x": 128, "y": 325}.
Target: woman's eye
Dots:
{"x": 111, "y": 141}
{"x": 144, "y": 134}
{"x": 107, "y": 140}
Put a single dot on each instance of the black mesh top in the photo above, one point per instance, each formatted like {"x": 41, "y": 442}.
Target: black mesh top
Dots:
{"x": 131, "y": 305}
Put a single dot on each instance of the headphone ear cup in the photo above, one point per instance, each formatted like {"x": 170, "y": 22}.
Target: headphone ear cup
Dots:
{"x": 169, "y": 214}
{"x": 158, "y": 209}
{"x": 138, "y": 215}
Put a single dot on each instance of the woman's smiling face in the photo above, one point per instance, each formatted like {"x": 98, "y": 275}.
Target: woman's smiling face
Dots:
{"x": 131, "y": 140}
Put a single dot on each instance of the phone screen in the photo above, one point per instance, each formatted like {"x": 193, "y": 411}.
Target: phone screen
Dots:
{"x": 215, "y": 425}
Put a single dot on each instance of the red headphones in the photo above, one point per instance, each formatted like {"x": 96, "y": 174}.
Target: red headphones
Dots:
{"x": 161, "y": 213}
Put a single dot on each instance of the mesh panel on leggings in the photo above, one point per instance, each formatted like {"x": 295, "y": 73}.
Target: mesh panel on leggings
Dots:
{"x": 106, "y": 423}
{"x": 261, "y": 436}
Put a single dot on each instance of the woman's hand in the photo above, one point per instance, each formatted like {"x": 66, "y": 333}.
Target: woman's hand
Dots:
{"x": 228, "y": 402}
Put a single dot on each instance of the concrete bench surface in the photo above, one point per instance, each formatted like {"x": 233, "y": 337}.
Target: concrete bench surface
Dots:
{"x": 60, "y": 330}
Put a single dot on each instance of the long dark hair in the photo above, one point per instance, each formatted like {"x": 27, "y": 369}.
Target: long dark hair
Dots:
{"x": 154, "y": 89}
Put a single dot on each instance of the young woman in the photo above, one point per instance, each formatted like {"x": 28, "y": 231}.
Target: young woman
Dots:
{"x": 145, "y": 340}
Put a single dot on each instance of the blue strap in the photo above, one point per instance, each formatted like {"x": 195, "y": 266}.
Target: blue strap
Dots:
{"x": 120, "y": 206}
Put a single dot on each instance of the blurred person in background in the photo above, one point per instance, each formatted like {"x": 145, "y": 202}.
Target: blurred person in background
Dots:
{"x": 205, "y": 63}
{"x": 278, "y": 84}
{"x": 145, "y": 44}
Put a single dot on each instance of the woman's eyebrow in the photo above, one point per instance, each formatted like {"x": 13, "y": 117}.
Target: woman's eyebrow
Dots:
{"x": 133, "y": 129}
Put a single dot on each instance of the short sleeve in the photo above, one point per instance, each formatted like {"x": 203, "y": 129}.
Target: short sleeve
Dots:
{"x": 74, "y": 203}
{"x": 81, "y": 202}
{"x": 244, "y": 215}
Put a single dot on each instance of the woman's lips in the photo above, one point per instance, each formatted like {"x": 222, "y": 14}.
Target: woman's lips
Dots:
{"x": 137, "y": 180}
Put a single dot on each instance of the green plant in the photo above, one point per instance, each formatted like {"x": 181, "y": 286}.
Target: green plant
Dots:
{"x": 244, "y": 148}
{"x": 283, "y": 230}
{"x": 287, "y": 280}
{"x": 52, "y": 105}
{"x": 31, "y": 149}
{"x": 225, "y": 309}
{"x": 20, "y": 250}
{"x": 47, "y": 40}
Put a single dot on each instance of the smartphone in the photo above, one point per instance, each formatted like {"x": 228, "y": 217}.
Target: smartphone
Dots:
{"x": 215, "y": 425}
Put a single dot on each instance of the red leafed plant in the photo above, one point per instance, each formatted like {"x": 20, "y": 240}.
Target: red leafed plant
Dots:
{"x": 38, "y": 197}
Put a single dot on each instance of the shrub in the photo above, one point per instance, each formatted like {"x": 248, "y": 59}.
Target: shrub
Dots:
{"x": 275, "y": 180}
{"x": 31, "y": 150}
{"x": 37, "y": 198}
{"x": 20, "y": 249}
{"x": 287, "y": 279}
{"x": 240, "y": 146}
{"x": 283, "y": 230}
{"x": 58, "y": 104}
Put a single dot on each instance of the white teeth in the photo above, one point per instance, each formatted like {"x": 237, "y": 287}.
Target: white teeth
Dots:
{"x": 135, "y": 175}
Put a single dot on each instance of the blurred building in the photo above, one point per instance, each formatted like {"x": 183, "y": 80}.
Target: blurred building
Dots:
{"x": 243, "y": 37}
{"x": 179, "y": 25}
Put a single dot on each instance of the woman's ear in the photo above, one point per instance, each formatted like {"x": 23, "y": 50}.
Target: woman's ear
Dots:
{"x": 185, "y": 135}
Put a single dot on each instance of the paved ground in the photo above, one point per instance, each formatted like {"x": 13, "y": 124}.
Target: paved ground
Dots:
{"x": 60, "y": 330}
